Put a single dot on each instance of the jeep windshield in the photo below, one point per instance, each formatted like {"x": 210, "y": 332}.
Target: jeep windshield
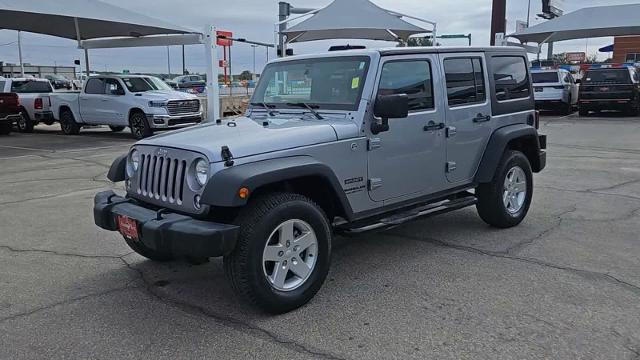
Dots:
{"x": 144, "y": 84}
{"x": 609, "y": 76}
{"x": 321, "y": 83}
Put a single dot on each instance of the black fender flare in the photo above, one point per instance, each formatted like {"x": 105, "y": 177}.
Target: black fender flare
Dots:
{"x": 497, "y": 145}
{"x": 222, "y": 188}
{"x": 118, "y": 169}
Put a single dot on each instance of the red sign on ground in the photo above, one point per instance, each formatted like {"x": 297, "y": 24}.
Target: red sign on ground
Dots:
{"x": 220, "y": 38}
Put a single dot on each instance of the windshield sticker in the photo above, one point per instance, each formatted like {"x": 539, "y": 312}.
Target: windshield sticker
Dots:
{"x": 355, "y": 82}
{"x": 362, "y": 65}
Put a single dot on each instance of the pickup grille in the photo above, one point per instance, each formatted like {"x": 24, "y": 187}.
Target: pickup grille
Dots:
{"x": 183, "y": 107}
{"x": 162, "y": 178}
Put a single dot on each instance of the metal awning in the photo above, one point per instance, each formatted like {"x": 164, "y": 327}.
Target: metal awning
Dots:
{"x": 338, "y": 21}
{"x": 599, "y": 21}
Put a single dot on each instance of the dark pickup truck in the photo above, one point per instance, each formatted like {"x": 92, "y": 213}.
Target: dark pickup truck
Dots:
{"x": 9, "y": 112}
{"x": 610, "y": 89}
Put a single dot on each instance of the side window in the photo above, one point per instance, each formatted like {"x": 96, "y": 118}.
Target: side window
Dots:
{"x": 511, "y": 78}
{"x": 409, "y": 77}
{"x": 113, "y": 87}
{"x": 94, "y": 86}
{"x": 2, "y": 84}
{"x": 465, "y": 81}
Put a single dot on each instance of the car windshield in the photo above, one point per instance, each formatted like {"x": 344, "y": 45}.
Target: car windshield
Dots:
{"x": 611, "y": 76}
{"x": 326, "y": 83}
{"x": 30, "y": 86}
{"x": 143, "y": 84}
{"x": 545, "y": 77}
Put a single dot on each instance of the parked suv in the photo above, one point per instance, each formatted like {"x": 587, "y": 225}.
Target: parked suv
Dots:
{"x": 555, "y": 90}
{"x": 9, "y": 112}
{"x": 144, "y": 103}
{"x": 610, "y": 89}
{"x": 343, "y": 142}
{"x": 35, "y": 102}
{"x": 59, "y": 81}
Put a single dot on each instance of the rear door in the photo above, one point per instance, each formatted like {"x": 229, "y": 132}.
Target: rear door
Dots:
{"x": 115, "y": 107}
{"x": 91, "y": 101}
{"x": 468, "y": 113}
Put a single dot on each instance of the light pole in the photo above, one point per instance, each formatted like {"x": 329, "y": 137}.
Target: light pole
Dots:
{"x": 168, "y": 62}
{"x": 254, "y": 61}
{"x": 20, "y": 55}
{"x": 528, "y": 13}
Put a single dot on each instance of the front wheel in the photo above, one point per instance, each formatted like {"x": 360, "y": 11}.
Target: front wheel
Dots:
{"x": 505, "y": 201}
{"x": 139, "y": 125}
{"x": 283, "y": 252}
{"x": 25, "y": 124}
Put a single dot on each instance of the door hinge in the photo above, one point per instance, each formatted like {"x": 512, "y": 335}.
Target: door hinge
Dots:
{"x": 451, "y": 131}
{"x": 451, "y": 166}
{"x": 374, "y": 143}
{"x": 375, "y": 183}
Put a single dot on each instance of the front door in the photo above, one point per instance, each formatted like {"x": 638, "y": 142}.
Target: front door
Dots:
{"x": 409, "y": 158}
{"x": 469, "y": 121}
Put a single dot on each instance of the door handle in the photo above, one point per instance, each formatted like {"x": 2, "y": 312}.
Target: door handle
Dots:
{"x": 481, "y": 118}
{"x": 432, "y": 126}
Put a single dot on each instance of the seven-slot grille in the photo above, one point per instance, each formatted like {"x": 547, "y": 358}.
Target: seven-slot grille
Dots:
{"x": 162, "y": 178}
{"x": 182, "y": 107}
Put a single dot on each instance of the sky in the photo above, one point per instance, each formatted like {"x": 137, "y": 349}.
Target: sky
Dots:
{"x": 254, "y": 20}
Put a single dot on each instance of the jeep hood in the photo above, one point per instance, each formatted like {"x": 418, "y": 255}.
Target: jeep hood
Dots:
{"x": 246, "y": 137}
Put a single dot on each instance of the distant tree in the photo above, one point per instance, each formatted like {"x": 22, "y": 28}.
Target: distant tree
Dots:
{"x": 591, "y": 59}
{"x": 246, "y": 75}
{"x": 420, "y": 41}
{"x": 561, "y": 58}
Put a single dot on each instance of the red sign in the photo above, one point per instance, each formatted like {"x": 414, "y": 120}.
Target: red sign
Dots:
{"x": 223, "y": 38}
{"x": 128, "y": 227}
{"x": 576, "y": 56}
{"x": 223, "y": 63}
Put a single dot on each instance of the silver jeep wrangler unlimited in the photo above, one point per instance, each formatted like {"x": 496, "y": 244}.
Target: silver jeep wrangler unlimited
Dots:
{"x": 342, "y": 142}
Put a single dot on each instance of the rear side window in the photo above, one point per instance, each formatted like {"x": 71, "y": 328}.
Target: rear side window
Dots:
{"x": 409, "y": 77}
{"x": 94, "y": 86}
{"x": 511, "y": 78}
{"x": 465, "y": 81}
{"x": 2, "y": 84}
{"x": 31, "y": 87}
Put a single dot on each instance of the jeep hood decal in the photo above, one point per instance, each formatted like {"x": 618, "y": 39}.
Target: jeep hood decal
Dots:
{"x": 246, "y": 137}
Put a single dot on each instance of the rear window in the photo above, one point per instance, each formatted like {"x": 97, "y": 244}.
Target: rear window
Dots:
{"x": 612, "y": 76}
{"x": 545, "y": 77}
{"x": 511, "y": 78}
{"x": 30, "y": 86}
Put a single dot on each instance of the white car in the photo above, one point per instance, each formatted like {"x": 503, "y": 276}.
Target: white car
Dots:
{"x": 144, "y": 103}
{"x": 555, "y": 90}
{"x": 35, "y": 101}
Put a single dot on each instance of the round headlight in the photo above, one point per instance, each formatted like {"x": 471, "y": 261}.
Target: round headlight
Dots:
{"x": 202, "y": 171}
{"x": 135, "y": 160}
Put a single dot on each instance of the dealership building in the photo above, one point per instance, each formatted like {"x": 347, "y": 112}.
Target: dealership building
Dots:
{"x": 14, "y": 70}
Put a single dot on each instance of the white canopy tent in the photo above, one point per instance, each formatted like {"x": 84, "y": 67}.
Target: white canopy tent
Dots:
{"x": 96, "y": 24}
{"x": 338, "y": 21}
{"x": 599, "y": 21}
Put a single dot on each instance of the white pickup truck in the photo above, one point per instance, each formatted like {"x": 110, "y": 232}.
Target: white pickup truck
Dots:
{"x": 144, "y": 103}
{"x": 34, "y": 96}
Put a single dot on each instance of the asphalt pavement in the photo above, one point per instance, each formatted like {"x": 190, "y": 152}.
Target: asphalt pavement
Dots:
{"x": 565, "y": 284}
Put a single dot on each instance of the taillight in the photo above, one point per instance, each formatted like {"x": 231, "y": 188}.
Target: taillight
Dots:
{"x": 37, "y": 104}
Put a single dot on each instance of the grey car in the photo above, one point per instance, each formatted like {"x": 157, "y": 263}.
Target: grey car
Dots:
{"x": 338, "y": 143}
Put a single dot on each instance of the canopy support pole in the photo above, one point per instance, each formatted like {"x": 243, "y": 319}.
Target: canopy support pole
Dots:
{"x": 20, "y": 55}
{"x": 86, "y": 51}
{"x": 211, "y": 56}
{"x": 432, "y": 23}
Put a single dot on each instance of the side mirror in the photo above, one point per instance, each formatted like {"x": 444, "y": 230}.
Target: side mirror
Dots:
{"x": 389, "y": 107}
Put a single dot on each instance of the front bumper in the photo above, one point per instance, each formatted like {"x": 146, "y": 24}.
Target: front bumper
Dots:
{"x": 542, "y": 154}
{"x": 173, "y": 121}
{"x": 176, "y": 234}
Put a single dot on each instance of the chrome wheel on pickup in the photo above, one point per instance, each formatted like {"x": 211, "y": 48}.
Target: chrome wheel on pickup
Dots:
{"x": 283, "y": 252}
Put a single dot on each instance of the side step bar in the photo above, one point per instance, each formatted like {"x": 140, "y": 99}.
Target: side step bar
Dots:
{"x": 424, "y": 211}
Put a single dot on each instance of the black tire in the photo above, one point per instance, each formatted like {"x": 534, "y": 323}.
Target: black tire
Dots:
{"x": 5, "y": 127}
{"x": 149, "y": 253}
{"x": 25, "y": 124}
{"x": 244, "y": 266}
{"x": 139, "y": 125}
{"x": 491, "y": 206}
{"x": 116, "y": 128}
{"x": 68, "y": 123}
{"x": 632, "y": 110}
{"x": 583, "y": 112}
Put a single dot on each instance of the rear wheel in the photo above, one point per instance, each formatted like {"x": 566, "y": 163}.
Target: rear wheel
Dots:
{"x": 116, "y": 128}
{"x": 583, "y": 112}
{"x": 505, "y": 201}
{"x": 5, "y": 127}
{"x": 25, "y": 124}
{"x": 139, "y": 125}
{"x": 68, "y": 123}
{"x": 283, "y": 252}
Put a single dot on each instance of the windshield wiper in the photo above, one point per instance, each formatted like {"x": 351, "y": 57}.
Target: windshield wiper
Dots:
{"x": 268, "y": 107}
{"x": 311, "y": 108}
